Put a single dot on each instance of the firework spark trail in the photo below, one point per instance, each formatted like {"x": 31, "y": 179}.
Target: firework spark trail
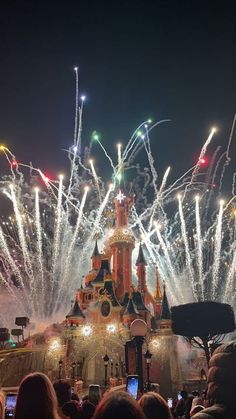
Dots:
{"x": 151, "y": 162}
{"x": 22, "y": 238}
{"x": 96, "y": 180}
{"x": 171, "y": 187}
{"x": 157, "y": 201}
{"x": 217, "y": 251}
{"x": 201, "y": 156}
{"x": 227, "y": 161}
{"x": 199, "y": 247}
{"x": 233, "y": 183}
{"x": 153, "y": 254}
{"x": 132, "y": 140}
{"x": 107, "y": 155}
{"x": 57, "y": 234}
{"x": 229, "y": 283}
{"x": 69, "y": 254}
{"x": 96, "y": 223}
{"x": 168, "y": 262}
{"x": 138, "y": 146}
{"x": 12, "y": 264}
{"x": 39, "y": 241}
{"x": 79, "y": 135}
{"x": 187, "y": 249}
{"x": 76, "y": 103}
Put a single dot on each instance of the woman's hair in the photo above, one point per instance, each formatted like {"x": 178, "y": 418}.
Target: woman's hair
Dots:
{"x": 117, "y": 405}
{"x": 154, "y": 406}
{"x": 2, "y": 405}
{"x": 36, "y": 398}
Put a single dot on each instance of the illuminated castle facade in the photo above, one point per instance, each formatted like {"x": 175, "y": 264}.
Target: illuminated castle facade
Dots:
{"x": 108, "y": 294}
{"x": 107, "y": 303}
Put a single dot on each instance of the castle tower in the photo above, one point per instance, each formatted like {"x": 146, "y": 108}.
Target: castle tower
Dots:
{"x": 141, "y": 271}
{"x": 169, "y": 374}
{"x": 158, "y": 296}
{"x": 122, "y": 245}
{"x": 96, "y": 257}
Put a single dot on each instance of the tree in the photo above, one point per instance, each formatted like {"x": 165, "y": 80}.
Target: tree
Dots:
{"x": 17, "y": 333}
{"x": 203, "y": 322}
{"x": 23, "y": 322}
{"x": 4, "y": 336}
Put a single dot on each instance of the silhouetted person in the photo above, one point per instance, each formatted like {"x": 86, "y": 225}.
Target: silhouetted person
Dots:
{"x": 154, "y": 406}
{"x": 118, "y": 405}
{"x": 88, "y": 409}
{"x": 221, "y": 389}
{"x": 36, "y": 398}
{"x": 73, "y": 410}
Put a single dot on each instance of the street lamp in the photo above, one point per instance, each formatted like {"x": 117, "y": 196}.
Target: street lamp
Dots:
{"x": 148, "y": 357}
{"x": 73, "y": 365}
{"x": 78, "y": 370}
{"x": 60, "y": 368}
{"x": 138, "y": 329}
{"x": 117, "y": 370}
{"x": 111, "y": 368}
{"x": 105, "y": 360}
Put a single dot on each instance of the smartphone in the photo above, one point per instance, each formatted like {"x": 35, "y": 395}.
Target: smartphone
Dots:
{"x": 10, "y": 405}
{"x": 170, "y": 403}
{"x": 132, "y": 385}
{"x": 179, "y": 395}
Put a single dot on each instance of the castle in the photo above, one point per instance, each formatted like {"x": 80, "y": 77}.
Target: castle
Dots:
{"x": 108, "y": 295}
{"x": 109, "y": 302}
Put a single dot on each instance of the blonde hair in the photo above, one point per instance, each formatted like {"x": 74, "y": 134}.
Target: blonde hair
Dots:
{"x": 2, "y": 405}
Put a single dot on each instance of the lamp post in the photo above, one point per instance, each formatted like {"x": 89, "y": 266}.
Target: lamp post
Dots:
{"x": 60, "y": 368}
{"x": 138, "y": 329}
{"x": 78, "y": 370}
{"x": 105, "y": 360}
{"x": 111, "y": 368}
{"x": 148, "y": 357}
{"x": 73, "y": 365}
{"x": 117, "y": 370}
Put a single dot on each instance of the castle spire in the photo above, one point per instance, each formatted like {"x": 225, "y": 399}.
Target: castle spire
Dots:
{"x": 165, "y": 309}
{"x": 95, "y": 251}
{"x": 141, "y": 259}
{"x": 158, "y": 293}
{"x": 96, "y": 257}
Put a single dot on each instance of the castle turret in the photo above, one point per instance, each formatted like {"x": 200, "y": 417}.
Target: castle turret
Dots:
{"x": 75, "y": 315}
{"x": 141, "y": 271}
{"x": 164, "y": 321}
{"x": 122, "y": 245}
{"x": 158, "y": 296}
{"x": 96, "y": 257}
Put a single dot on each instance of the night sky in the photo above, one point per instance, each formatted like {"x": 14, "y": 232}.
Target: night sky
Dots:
{"x": 137, "y": 59}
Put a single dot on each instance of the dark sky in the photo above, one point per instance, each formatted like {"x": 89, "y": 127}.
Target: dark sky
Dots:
{"x": 164, "y": 59}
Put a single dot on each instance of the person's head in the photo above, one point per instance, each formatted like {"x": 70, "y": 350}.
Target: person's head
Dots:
{"x": 36, "y": 398}
{"x": 94, "y": 395}
{"x": 63, "y": 391}
{"x": 184, "y": 394}
{"x": 221, "y": 375}
{"x": 73, "y": 410}
{"x": 154, "y": 406}
{"x": 196, "y": 409}
{"x": 118, "y": 405}
{"x": 88, "y": 409}
{"x": 2, "y": 405}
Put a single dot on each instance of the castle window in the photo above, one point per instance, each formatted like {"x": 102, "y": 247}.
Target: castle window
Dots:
{"x": 105, "y": 308}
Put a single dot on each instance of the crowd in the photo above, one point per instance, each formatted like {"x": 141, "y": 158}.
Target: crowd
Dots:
{"x": 38, "y": 398}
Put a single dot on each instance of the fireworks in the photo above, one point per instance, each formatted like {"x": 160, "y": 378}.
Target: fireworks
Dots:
{"x": 46, "y": 243}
